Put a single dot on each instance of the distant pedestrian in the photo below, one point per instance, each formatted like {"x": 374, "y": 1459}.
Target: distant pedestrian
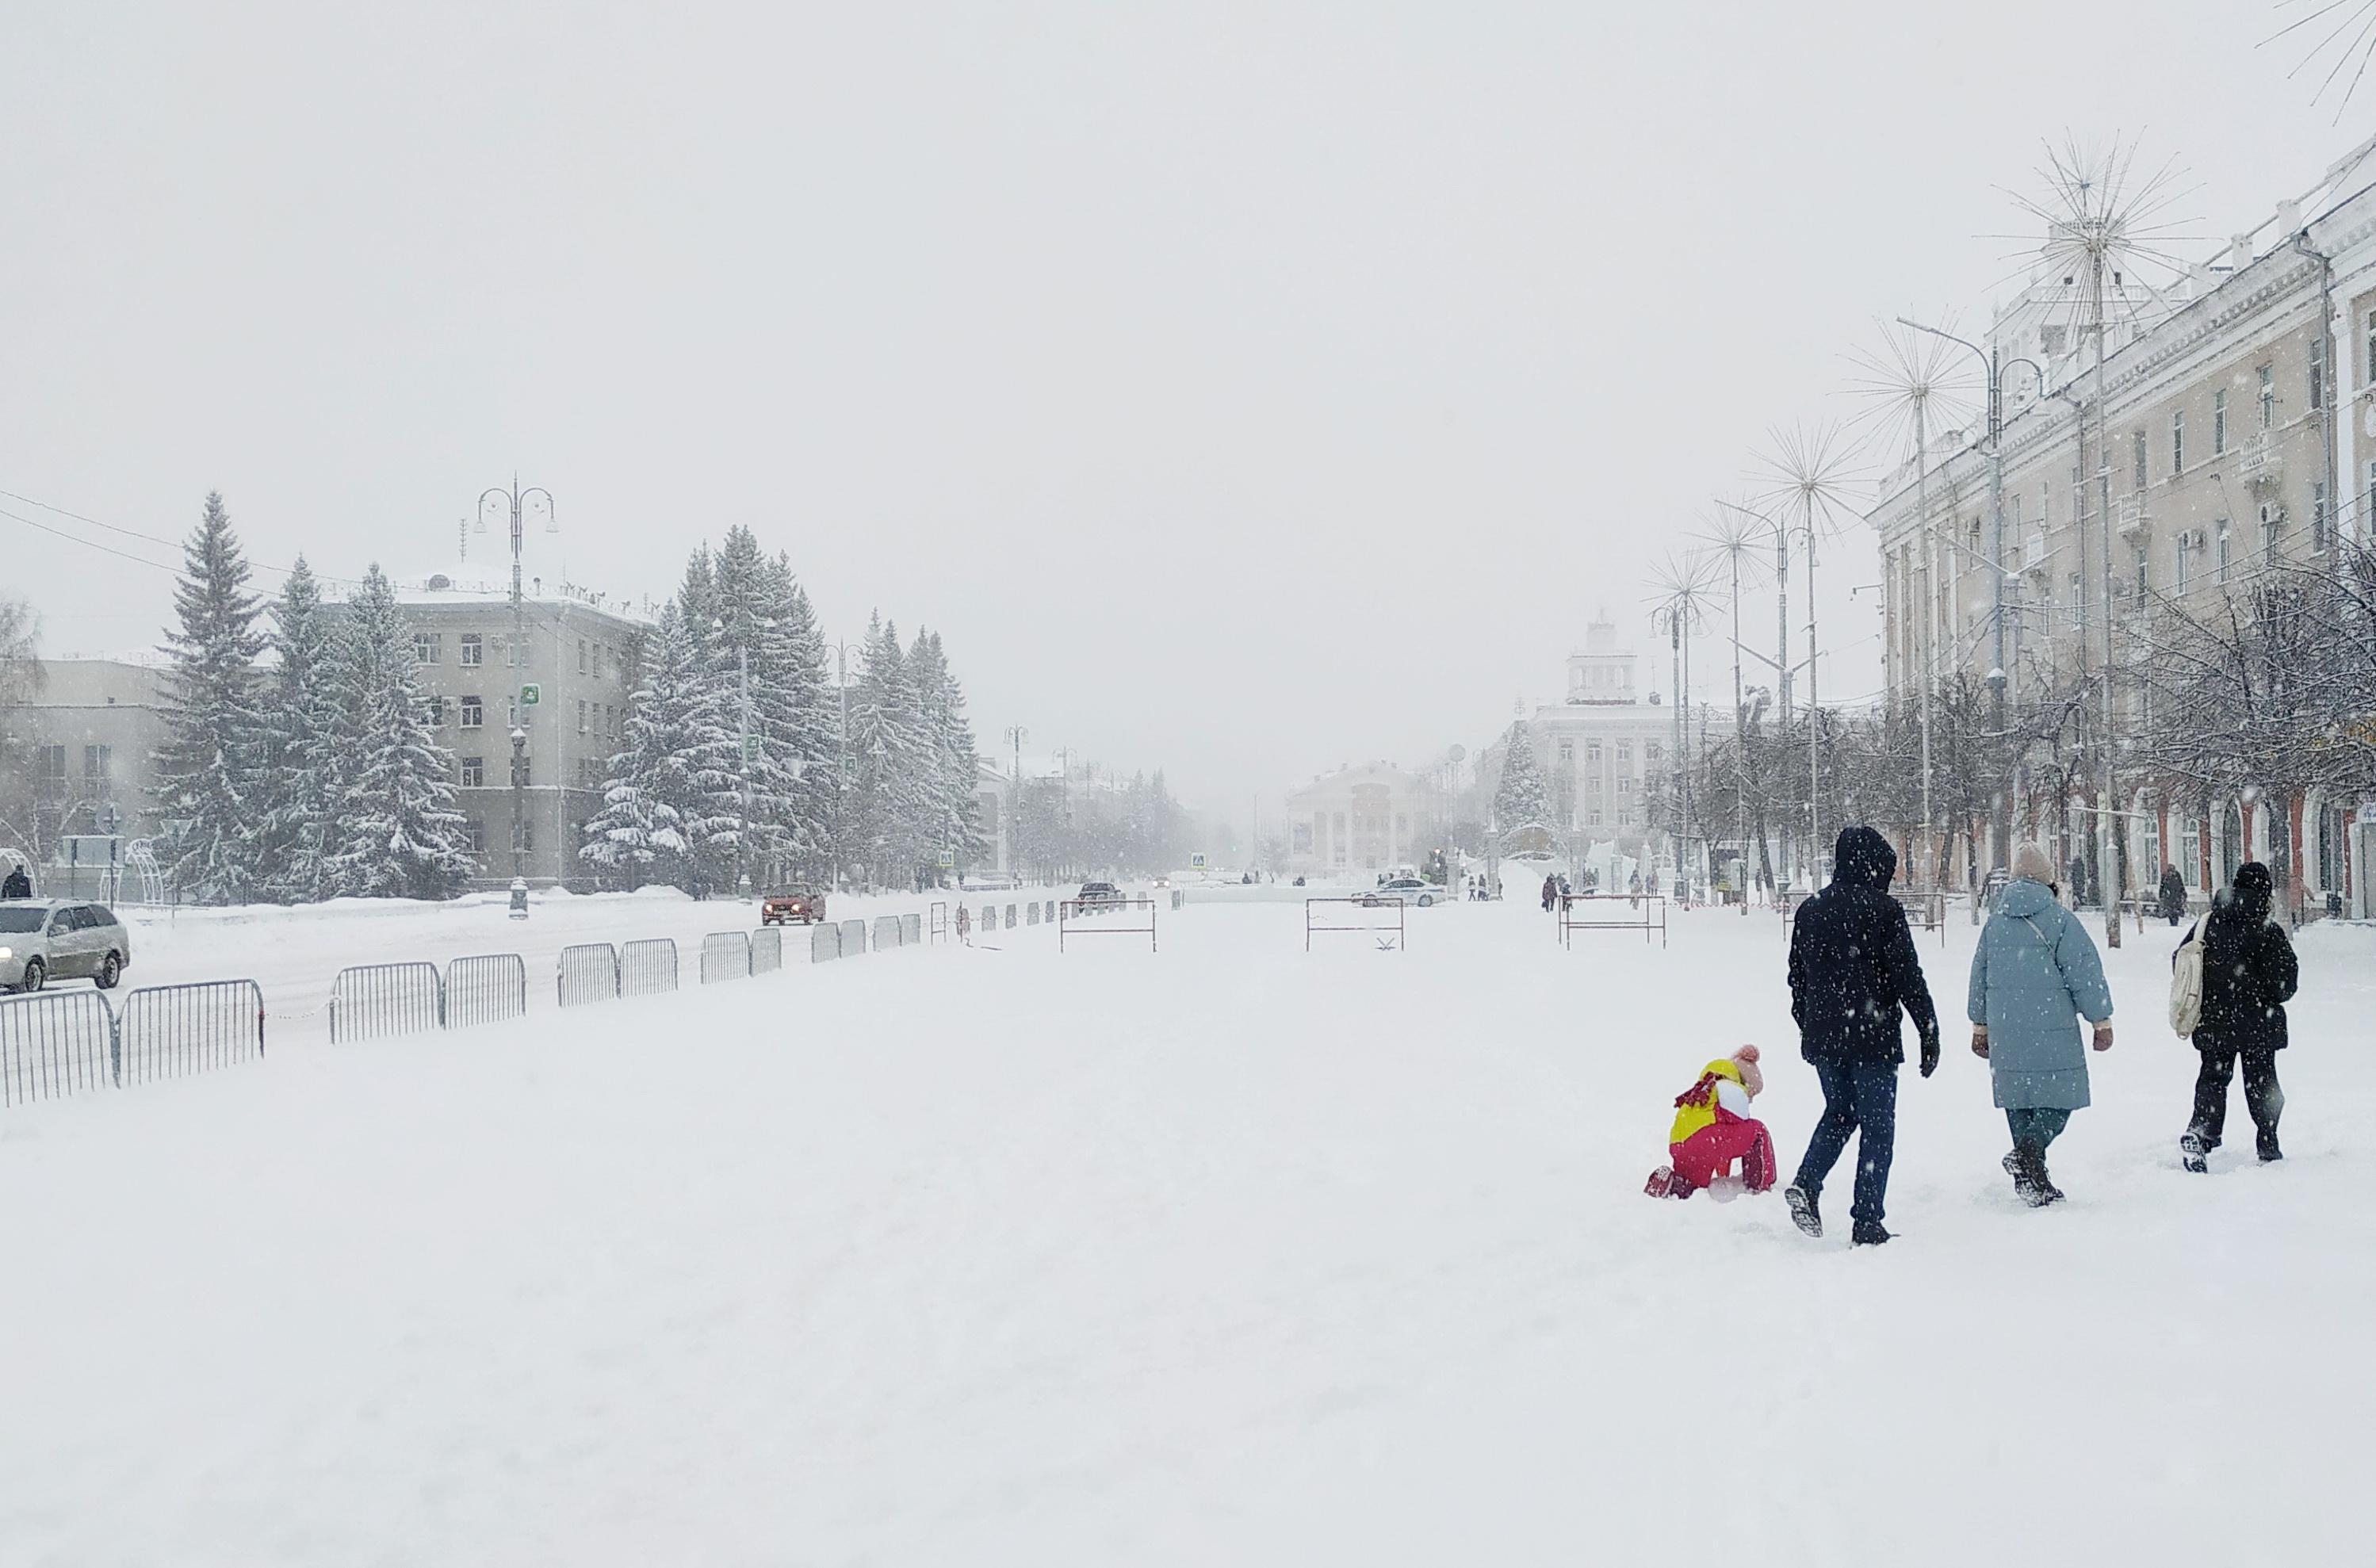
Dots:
{"x": 1550, "y": 892}
{"x": 2035, "y": 968}
{"x": 2173, "y": 895}
{"x": 964, "y": 927}
{"x": 1853, "y": 967}
{"x": 2249, "y": 974}
{"x": 16, "y": 885}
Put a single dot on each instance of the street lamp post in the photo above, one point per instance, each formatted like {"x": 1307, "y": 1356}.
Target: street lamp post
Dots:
{"x": 516, "y": 499}
{"x": 1016, "y": 735}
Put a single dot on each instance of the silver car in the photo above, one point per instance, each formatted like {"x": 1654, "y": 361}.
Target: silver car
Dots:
{"x": 47, "y": 939}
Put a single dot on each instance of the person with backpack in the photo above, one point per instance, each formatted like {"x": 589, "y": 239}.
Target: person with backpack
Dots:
{"x": 2173, "y": 895}
{"x": 1853, "y": 967}
{"x": 2231, "y": 981}
{"x": 17, "y": 884}
{"x": 2035, "y": 968}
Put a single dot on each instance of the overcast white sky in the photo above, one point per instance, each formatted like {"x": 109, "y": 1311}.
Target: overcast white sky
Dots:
{"x": 1239, "y": 388}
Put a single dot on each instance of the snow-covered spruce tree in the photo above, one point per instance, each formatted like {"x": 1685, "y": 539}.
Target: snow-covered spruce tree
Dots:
{"x": 1522, "y": 796}
{"x": 889, "y": 760}
{"x": 799, "y": 715}
{"x": 208, "y": 767}
{"x": 951, "y": 825}
{"x": 304, "y": 756}
{"x": 397, "y": 833}
{"x": 708, "y": 732}
{"x": 639, "y": 834}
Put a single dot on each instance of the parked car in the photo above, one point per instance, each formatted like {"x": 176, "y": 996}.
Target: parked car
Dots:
{"x": 47, "y": 939}
{"x": 784, "y": 905}
{"x": 1095, "y": 896}
{"x": 1410, "y": 889}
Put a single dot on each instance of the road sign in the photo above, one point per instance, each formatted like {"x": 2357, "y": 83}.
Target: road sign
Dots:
{"x": 1197, "y": 861}
{"x": 751, "y": 748}
{"x": 948, "y": 860}
{"x": 530, "y": 694}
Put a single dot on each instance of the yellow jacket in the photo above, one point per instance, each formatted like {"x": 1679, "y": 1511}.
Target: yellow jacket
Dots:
{"x": 1695, "y": 1107}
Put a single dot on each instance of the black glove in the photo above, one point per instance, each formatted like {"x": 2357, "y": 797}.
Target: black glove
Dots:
{"x": 1929, "y": 1054}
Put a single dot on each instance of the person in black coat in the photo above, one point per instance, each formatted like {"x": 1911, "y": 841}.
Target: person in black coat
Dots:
{"x": 16, "y": 885}
{"x": 2173, "y": 895}
{"x": 1853, "y": 967}
{"x": 2248, "y": 975}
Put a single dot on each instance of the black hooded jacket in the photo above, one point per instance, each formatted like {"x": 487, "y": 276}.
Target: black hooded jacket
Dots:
{"x": 16, "y": 885}
{"x": 2249, "y": 969}
{"x": 1852, "y": 961}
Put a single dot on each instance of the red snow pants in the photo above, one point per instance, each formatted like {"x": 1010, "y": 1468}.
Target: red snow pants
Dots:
{"x": 1709, "y": 1153}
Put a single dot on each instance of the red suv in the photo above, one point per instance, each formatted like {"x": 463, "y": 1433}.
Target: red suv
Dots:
{"x": 785, "y": 904}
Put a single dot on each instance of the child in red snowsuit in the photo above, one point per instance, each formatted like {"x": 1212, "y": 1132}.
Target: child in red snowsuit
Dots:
{"x": 1712, "y": 1128}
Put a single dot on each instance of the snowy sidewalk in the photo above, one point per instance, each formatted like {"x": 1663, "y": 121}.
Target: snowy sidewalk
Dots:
{"x": 1224, "y": 1254}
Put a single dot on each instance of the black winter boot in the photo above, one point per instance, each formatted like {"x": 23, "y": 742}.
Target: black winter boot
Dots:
{"x": 2193, "y": 1151}
{"x": 1867, "y": 1233}
{"x": 2267, "y": 1145}
{"x": 2030, "y": 1180}
{"x": 1803, "y": 1213}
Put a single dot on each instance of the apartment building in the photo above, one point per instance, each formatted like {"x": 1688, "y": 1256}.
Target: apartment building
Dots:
{"x": 77, "y": 757}
{"x": 2240, "y": 420}
{"x": 577, "y": 653}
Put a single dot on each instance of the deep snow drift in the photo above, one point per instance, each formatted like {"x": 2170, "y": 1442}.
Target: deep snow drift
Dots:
{"x": 1224, "y": 1254}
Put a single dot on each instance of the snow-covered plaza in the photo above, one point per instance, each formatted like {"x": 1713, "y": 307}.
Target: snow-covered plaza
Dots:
{"x": 1222, "y": 1254}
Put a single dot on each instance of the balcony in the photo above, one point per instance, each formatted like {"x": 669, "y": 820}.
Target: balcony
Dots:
{"x": 2130, "y": 516}
{"x": 2258, "y": 461}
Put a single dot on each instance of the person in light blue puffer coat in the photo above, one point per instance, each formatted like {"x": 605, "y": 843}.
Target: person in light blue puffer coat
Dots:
{"x": 2036, "y": 974}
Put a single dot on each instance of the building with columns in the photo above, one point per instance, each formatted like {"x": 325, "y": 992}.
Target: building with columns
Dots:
{"x": 2240, "y": 411}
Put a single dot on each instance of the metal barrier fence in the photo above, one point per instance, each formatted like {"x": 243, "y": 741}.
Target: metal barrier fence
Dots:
{"x": 825, "y": 943}
{"x": 1925, "y": 907}
{"x": 1050, "y": 916}
{"x": 486, "y": 989}
{"x": 887, "y": 932}
{"x": 766, "y": 950}
{"x": 647, "y": 967}
{"x": 938, "y": 931}
{"x": 1393, "y": 935}
{"x": 55, "y": 1043}
{"x": 166, "y": 1031}
{"x": 1031, "y": 913}
{"x": 725, "y": 955}
{"x": 854, "y": 939}
{"x": 1010, "y": 917}
{"x": 370, "y": 1001}
{"x": 911, "y": 930}
{"x": 1076, "y": 919}
{"x": 1645, "y": 912}
{"x": 587, "y": 972}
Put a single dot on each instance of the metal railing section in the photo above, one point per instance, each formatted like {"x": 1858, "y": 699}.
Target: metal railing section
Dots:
{"x": 725, "y": 955}
{"x": 372, "y": 1000}
{"x": 167, "y": 1031}
{"x": 55, "y": 1043}
{"x": 647, "y": 967}
{"x": 487, "y": 988}
{"x": 766, "y": 950}
{"x": 587, "y": 972}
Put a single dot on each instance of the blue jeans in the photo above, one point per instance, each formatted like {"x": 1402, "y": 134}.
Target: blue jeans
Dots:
{"x": 1859, "y": 1098}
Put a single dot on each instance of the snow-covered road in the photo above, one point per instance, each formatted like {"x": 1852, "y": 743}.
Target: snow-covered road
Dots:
{"x": 1223, "y": 1255}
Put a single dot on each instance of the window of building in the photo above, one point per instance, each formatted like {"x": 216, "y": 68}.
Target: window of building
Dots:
{"x": 2271, "y": 519}
{"x": 1625, "y": 751}
{"x": 511, "y": 712}
{"x": 610, "y": 721}
{"x": 53, "y": 773}
{"x": 527, "y": 770}
{"x": 1624, "y": 783}
{"x": 2185, "y": 558}
{"x": 601, "y": 653}
{"x": 2137, "y": 459}
{"x": 1567, "y": 748}
{"x": 1652, "y": 751}
{"x": 2177, "y": 442}
{"x": 581, "y": 716}
{"x": 2321, "y": 526}
{"x": 2219, "y": 423}
{"x": 2050, "y": 340}
{"x": 437, "y": 711}
{"x": 2190, "y": 850}
{"x": 2371, "y": 347}
{"x": 2268, "y": 396}
{"x": 589, "y": 773}
{"x": 2317, "y": 372}
{"x": 474, "y": 834}
{"x": 474, "y": 713}
{"x": 581, "y": 656}
{"x": 474, "y": 772}
{"x": 427, "y": 647}
{"x": 1594, "y": 819}
{"x": 1592, "y": 748}
{"x": 527, "y": 835}
{"x": 2226, "y": 551}
{"x": 98, "y": 771}
{"x": 2143, "y": 564}
{"x": 1624, "y": 819}
{"x": 515, "y": 652}
{"x": 474, "y": 650}
{"x": 2078, "y": 603}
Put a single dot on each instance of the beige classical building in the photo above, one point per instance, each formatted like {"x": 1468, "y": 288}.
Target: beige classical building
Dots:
{"x": 2240, "y": 422}
{"x": 1605, "y": 749}
{"x": 1360, "y": 821}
